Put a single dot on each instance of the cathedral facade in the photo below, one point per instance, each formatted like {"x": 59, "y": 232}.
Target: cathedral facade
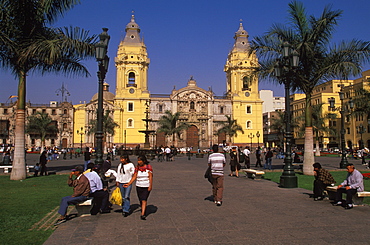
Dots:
{"x": 201, "y": 109}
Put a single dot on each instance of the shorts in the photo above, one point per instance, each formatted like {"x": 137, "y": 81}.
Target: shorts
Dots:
{"x": 142, "y": 193}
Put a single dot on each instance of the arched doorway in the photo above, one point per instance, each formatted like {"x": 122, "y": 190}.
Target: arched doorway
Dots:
{"x": 161, "y": 139}
{"x": 192, "y": 138}
{"x": 221, "y": 138}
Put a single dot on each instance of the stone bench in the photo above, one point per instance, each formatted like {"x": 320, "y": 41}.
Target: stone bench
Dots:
{"x": 357, "y": 199}
{"x": 83, "y": 208}
{"x": 253, "y": 174}
{"x": 7, "y": 167}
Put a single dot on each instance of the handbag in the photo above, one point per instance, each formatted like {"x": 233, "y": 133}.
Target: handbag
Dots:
{"x": 116, "y": 197}
{"x": 208, "y": 173}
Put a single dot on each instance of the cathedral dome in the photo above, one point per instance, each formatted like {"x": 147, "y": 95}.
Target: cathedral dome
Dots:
{"x": 106, "y": 94}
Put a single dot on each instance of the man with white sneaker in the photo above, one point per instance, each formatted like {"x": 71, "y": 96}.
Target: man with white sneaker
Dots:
{"x": 351, "y": 185}
{"x": 217, "y": 163}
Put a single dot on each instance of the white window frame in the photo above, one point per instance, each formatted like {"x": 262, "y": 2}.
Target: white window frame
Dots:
{"x": 246, "y": 124}
{"x": 246, "y": 109}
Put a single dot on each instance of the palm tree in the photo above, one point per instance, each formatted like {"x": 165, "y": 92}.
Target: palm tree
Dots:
{"x": 28, "y": 43}
{"x": 41, "y": 124}
{"x": 230, "y": 128}
{"x": 170, "y": 125}
{"x": 109, "y": 126}
{"x": 278, "y": 125}
{"x": 319, "y": 61}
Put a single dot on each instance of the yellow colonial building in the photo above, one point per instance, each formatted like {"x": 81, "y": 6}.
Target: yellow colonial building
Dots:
{"x": 201, "y": 109}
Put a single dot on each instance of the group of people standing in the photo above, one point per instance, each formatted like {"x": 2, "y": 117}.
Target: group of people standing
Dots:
{"x": 239, "y": 156}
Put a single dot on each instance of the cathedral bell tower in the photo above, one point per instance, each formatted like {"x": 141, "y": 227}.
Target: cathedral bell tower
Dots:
{"x": 132, "y": 93}
{"x": 242, "y": 88}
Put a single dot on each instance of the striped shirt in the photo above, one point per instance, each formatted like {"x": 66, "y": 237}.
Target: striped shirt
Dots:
{"x": 217, "y": 161}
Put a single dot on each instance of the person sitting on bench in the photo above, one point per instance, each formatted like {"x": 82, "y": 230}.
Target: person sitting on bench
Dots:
{"x": 81, "y": 191}
{"x": 322, "y": 179}
{"x": 351, "y": 185}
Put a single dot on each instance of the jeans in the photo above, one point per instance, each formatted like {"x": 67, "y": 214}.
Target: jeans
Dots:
{"x": 85, "y": 164}
{"x": 268, "y": 163}
{"x": 125, "y": 192}
{"x": 69, "y": 200}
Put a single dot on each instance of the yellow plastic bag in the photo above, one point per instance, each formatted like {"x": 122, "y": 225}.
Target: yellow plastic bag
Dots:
{"x": 116, "y": 197}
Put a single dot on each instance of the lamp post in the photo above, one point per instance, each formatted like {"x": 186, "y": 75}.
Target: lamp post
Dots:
{"x": 361, "y": 129}
{"x": 101, "y": 49}
{"x": 251, "y": 136}
{"x": 258, "y": 138}
{"x": 284, "y": 71}
{"x": 343, "y": 162}
{"x": 81, "y": 133}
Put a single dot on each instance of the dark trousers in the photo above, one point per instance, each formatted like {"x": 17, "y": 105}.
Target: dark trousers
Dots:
{"x": 318, "y": 188}
{"x": 100, "y": 201}
{"x": 349, "y": 193}
{"x": 247, "y": 162}
{"x": 217, "y": 187}
{"x": 258, "y": 161}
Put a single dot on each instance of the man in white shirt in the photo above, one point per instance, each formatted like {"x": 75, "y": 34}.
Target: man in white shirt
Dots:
{"x": 247, "y": 161}
{"x": 101, "y": 196}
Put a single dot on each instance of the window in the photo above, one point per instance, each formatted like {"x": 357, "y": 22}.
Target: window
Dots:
{"x": 130, "y": 106}
{"x": 160, "y": 108}
{"x": 246, "y": 82}
{"x": 348, "y": 131}
{"x": 33, "y": 111}
{"x": 248, "y": 109}
{"x": 249, "y": 124}
{"x": 5, "y": 111}
{"x": 52, "y": 141}
{"x": 130, "y": 123}
{"x": 64, "y": 126}
{"x": 192, "y": 105}
{"x": 65, "y": 112}
{"x": 53, "y": 112}
{"x": 33, "y": 141}
{"x": 221, "y": 110}
{"x": 43, "y": 111}
{"x": 131, "y": 80}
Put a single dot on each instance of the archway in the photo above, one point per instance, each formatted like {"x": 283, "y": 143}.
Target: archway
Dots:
{"x": 192, "y": 138}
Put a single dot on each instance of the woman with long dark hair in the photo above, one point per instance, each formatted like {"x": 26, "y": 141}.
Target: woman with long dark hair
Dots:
{"x": 144, "y": 182}
{"x": 125, "y": 171}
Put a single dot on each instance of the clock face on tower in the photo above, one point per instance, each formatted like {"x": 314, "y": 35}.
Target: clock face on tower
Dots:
{"x": 131, "y": 91}
{"x": 247, "y": 94}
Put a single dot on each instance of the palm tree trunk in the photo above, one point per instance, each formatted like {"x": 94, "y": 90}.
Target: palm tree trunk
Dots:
{"x": 309, "y": 158}
{"x": 317, "y": 153}
{"x": 19, "y": 163}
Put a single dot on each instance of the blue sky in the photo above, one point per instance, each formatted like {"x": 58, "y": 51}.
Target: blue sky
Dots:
{"x": 183, "y": 39}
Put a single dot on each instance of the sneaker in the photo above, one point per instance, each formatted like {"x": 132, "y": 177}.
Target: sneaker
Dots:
{"x": 349, "y": 206}
{"x": 339, "y": 203}
{"x": 125, "y": 214}
{"x": 219, "y": 203}
{"x": 318, "y": 199}
{"x": 143, "y": 217}
{"x": 60, "y": 221}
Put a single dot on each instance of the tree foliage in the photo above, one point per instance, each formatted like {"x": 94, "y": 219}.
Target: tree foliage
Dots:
{"x": 170, "y": 124}
{"x": 319, "y": 61}
{"x": 41, "y": 124}
{"x": 230, "y": 128}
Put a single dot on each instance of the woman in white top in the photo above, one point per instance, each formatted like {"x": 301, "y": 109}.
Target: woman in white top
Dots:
{"x": 125, "y": 171}
{"x": 144, "y": 181}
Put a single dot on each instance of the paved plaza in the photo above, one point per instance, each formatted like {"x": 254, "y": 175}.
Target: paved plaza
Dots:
{"x": 253, "y": 212}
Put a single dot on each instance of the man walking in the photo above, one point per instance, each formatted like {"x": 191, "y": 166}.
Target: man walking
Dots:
{"x": 247, "y": 161}
{"x": 217, "y": 163}
{"x": 351, "y": 185}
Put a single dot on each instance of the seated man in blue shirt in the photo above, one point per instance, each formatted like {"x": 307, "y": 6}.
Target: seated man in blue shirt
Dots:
{"x": 101, "y": 196}
{"x": 351, "y": 185}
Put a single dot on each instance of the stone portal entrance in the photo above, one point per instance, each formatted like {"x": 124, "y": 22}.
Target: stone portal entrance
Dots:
{"x": 192, "y": 138}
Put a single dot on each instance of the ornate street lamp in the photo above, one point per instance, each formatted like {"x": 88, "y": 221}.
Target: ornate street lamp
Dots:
{"x": 284, "y": 71}
{"x": 361, "y": 130}
{"x": 101, "y": 49}
{"x": 81, "y": 133}
{"x": 258, "y": 138}
{"x": 343, "y": 162}
{"x": 251, "y": 136}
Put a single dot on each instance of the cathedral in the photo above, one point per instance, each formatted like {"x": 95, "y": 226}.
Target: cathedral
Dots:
{"x": 135, "y": 109}
{"x": 199, "y": 108}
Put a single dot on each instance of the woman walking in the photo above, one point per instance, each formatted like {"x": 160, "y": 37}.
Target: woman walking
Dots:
{"x": 144, "y": 182}
{"x": 125, "y": 171}
{"x": 234, "y": 164}
{"x": 43, "y": 161}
